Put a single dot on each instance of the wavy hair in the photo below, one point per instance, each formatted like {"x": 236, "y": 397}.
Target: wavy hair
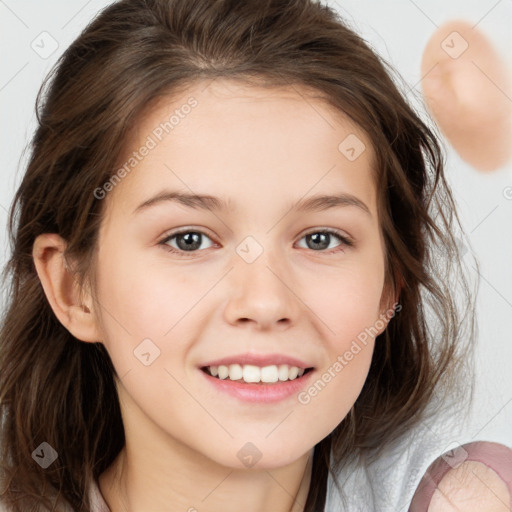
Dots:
{"x": 56, "y": 389}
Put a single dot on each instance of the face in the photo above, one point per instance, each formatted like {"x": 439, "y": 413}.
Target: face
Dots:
{"x": 259, "y": 280}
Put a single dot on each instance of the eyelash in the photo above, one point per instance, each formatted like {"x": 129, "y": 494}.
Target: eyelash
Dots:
{"x": 345, "y": 241}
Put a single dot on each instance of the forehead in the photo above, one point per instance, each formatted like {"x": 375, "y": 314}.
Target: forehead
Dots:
{"x": 233, "y": 139}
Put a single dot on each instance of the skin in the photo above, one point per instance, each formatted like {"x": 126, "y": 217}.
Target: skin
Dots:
{"x": 263, "y": 149}
{"x": 468, "y": 89}
{"x": 471, "y": 486}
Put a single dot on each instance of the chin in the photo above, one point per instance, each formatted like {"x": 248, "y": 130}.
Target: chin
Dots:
{"x": 252, "y": 455}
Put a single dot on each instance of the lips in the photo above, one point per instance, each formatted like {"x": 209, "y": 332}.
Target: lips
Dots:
{"x": 260, "y": 360}
{"x": 259, "y": 392}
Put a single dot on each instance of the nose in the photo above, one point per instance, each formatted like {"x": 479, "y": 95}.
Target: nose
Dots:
{"x": 263, "y": 294}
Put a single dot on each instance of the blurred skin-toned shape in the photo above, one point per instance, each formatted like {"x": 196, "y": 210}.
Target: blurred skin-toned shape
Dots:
{"x": 467, "y": 87}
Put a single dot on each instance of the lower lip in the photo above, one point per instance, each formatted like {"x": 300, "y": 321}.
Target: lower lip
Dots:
{"x": 263, "y": 393}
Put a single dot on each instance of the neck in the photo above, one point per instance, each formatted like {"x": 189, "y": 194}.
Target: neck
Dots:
{"x": 128, "y": 486}
{"x": 155, "y": 471}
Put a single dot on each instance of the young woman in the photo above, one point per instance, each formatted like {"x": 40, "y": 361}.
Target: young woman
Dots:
{"x": 233, "y": 270}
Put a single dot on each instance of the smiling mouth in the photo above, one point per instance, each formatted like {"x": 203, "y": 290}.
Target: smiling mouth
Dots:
{"x": 251, "y": 374}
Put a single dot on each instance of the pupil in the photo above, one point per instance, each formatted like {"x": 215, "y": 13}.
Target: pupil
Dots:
{"x": 316, "y": 240}
{"x": 191, "y": 240}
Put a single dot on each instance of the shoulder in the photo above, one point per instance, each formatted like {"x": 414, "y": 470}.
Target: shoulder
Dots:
{"x": 471, "y": 486}
{"x": 475, "y": 476}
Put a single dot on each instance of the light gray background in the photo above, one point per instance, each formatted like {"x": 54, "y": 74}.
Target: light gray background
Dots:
{"x": 399, "y": 31}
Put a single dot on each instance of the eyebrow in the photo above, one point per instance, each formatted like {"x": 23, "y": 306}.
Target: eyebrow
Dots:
{"x": 206, "y": 202}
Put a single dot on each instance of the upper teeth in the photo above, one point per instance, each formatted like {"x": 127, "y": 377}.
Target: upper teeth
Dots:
{"x": 251, "y": 373}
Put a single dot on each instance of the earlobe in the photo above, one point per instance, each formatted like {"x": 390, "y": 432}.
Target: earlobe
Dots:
{"x": 75, "y": 313}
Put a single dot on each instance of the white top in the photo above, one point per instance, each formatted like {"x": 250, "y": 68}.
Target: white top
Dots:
{"x": 389, "y": 484}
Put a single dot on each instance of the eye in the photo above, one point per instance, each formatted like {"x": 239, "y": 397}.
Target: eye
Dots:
{"x": 186, "y": 240}
{"x": 189, "y": 241}
{"x": 320, "y": 240}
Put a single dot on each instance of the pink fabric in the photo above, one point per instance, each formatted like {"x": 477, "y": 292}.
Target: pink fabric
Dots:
{"x": 496, "y": 456}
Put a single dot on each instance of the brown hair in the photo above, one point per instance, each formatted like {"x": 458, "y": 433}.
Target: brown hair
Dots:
{"x": 132, "y": 53}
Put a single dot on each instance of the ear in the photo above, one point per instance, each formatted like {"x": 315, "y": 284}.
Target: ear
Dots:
{"x": 75, "y": 312}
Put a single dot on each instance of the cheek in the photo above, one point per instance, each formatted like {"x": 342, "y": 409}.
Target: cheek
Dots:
{"x": 137, "y": 304}
{"x": 353, "y": 316}
{"x": 143, "y": 298}
{"x": 348, "y": 302}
